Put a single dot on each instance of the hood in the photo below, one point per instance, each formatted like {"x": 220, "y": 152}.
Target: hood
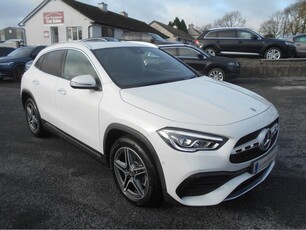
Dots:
{"x": 197, "y": 101}
{"x": 13, "y": 59}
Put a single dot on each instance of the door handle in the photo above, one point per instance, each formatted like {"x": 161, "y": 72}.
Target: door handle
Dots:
{"x": 61, "y": 91}
{"x": 35, "y": 82}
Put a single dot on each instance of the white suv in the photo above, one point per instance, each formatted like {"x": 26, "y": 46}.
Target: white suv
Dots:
{"x": 164, "y": 131}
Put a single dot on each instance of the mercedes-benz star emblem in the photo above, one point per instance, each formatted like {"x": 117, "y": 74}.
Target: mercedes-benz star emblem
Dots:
{"x": 265, "y": 139}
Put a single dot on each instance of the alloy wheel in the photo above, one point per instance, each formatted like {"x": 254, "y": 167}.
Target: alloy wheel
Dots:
{"x": 273, "y": 54}
{"x": 32, "y": 117}
{"x": 131, "y": 173}
{"x": 216, "y": 74}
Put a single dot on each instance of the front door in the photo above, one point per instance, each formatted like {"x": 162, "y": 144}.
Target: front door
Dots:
{"x": 54, "y": 35}
{"x": 78, "y": 109}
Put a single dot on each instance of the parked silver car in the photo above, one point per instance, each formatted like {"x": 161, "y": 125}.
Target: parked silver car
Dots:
{"x": 300, "y": 43}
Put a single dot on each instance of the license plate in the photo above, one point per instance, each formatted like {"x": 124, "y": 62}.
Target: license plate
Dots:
{"x": 262, "y": 163}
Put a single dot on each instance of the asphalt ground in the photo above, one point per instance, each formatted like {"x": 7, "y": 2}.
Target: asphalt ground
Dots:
{"x": 49, "y": 183}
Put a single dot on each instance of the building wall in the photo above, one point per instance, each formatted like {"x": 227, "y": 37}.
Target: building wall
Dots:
{"x": 11, "y": 33}
{"x": 38, "y": 33}
{"x": 164, "y": 31}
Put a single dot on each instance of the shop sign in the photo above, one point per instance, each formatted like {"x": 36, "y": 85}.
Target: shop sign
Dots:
{"x": 54, "y": 17}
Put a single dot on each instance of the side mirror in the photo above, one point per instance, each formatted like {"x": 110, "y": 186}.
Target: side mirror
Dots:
{"x": 201, "y": 56}
{"x": 83, "y": 82}
{"x": 254, "y": 37}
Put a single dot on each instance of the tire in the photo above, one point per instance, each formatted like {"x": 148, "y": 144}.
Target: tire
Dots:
{"x": 134, "y": 172}
{"x": 17, "y": 73}
{"x": 217, "y": 74}
{"x": 273, "y": 53}
{"x": 210, "y": 51}
{"x": 33, "y": 118}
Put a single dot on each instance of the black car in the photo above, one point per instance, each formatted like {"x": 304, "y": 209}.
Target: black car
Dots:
{"x": 242, "y": 42}
{"x": 5, "y": 51}
{"x": 144, "y": 37}
{"x": 13, "y": 65}
{"x": 220, "y": 68}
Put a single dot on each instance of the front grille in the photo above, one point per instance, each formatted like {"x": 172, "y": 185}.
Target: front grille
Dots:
{"x": 250, "y": 147}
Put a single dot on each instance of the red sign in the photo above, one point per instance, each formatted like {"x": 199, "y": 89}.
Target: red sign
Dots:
{"x": 54, "y": 17}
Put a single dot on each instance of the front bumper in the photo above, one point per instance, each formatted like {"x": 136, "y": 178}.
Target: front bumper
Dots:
{"x": 209, "y": 177}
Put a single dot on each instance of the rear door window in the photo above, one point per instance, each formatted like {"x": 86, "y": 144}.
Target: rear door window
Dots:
{"x": 227, "y": 34}
{"x": 51, "y": 62}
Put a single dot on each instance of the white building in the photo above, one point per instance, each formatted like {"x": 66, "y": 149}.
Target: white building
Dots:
{"x": 63, "y": 20}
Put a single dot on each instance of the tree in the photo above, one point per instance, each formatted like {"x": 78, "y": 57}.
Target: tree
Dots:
{"x": 290, "y": 21}
{"x": 274, "y": 26}
{"x": 179, "y": 24}
{"x": 295, "y": 18}
{"x": 230, "y": 19}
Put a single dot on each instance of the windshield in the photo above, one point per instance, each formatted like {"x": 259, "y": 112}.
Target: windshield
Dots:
{"x": 157, "y": 37}
{"x": 141, "y": 66}
{"x": 21, "y": 52}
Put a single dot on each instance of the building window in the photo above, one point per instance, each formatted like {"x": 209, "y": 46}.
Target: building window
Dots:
{"x": 107, "y": 32}
{"x": 74, "y": 33}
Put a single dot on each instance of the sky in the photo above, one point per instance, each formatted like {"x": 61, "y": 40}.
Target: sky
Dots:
{"x": 197, "y": 12}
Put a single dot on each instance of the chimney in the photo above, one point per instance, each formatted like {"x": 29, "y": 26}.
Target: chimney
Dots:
{"x": 123, "y": 13}
{"x": 102, "y": 6}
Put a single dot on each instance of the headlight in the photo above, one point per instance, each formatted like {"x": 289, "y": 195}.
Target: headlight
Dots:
{"x": 190, "y": 141}
{"x": 6, "y": 63}
{"x": 289, "y": 43}
{"x": 233, "y": 63}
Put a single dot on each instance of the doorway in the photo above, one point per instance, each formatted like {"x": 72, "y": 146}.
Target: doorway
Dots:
{"x": 54, "y": 35}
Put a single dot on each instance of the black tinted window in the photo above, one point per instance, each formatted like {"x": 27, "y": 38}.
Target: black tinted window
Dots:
{"x": 211, "y": 35}
{"x": 21, "y": 52}
{"x": 51, "y": 63}
{"x": 226, "y": 34}
{"x": 300, "y": 39}
{"x": 245, "y": 34}
{"x": 77, "y": 64}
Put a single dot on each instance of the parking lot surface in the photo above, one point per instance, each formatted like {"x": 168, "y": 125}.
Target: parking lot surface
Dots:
{"x": 48, "y": 183}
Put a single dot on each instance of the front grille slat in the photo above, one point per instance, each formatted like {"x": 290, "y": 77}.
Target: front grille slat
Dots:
{"x": 248, "y": 148}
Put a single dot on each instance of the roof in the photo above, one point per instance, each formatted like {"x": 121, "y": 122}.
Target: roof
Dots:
{"x": 176, "y": 32}
{"x": 107, "y": 18}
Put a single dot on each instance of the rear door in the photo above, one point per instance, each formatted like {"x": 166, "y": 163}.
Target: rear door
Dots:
{"x": 226, "y": 40}
{"x": 45, "y": 75}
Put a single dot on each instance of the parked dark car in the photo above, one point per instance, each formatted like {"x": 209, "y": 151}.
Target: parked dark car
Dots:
{"x": 4, "y": 51}
{"x": 300, "y": 44}
{"x": 220, "y": 68}
{"x": 242, "y": 42}
{"x": 101, "y": 39}
{"x": 144, "y": 37}
{"x": 13, "y": 65}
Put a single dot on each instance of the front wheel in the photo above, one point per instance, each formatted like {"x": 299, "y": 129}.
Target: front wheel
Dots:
{"x": 217, "y": 74}
{"x": 33, "y": 118}
{"x": 17, "y": 73}
{"x": 134, "y": 172}
{"x": 273, "y": 53}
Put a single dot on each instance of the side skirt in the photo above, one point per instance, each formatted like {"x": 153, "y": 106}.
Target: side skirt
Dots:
{"x": 92, "y": 152}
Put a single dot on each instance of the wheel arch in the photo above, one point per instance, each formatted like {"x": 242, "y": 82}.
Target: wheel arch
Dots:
{"x": 264, "y": 50}
{"x": 115, "y": 131}
{"x": 25, "y": 94}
